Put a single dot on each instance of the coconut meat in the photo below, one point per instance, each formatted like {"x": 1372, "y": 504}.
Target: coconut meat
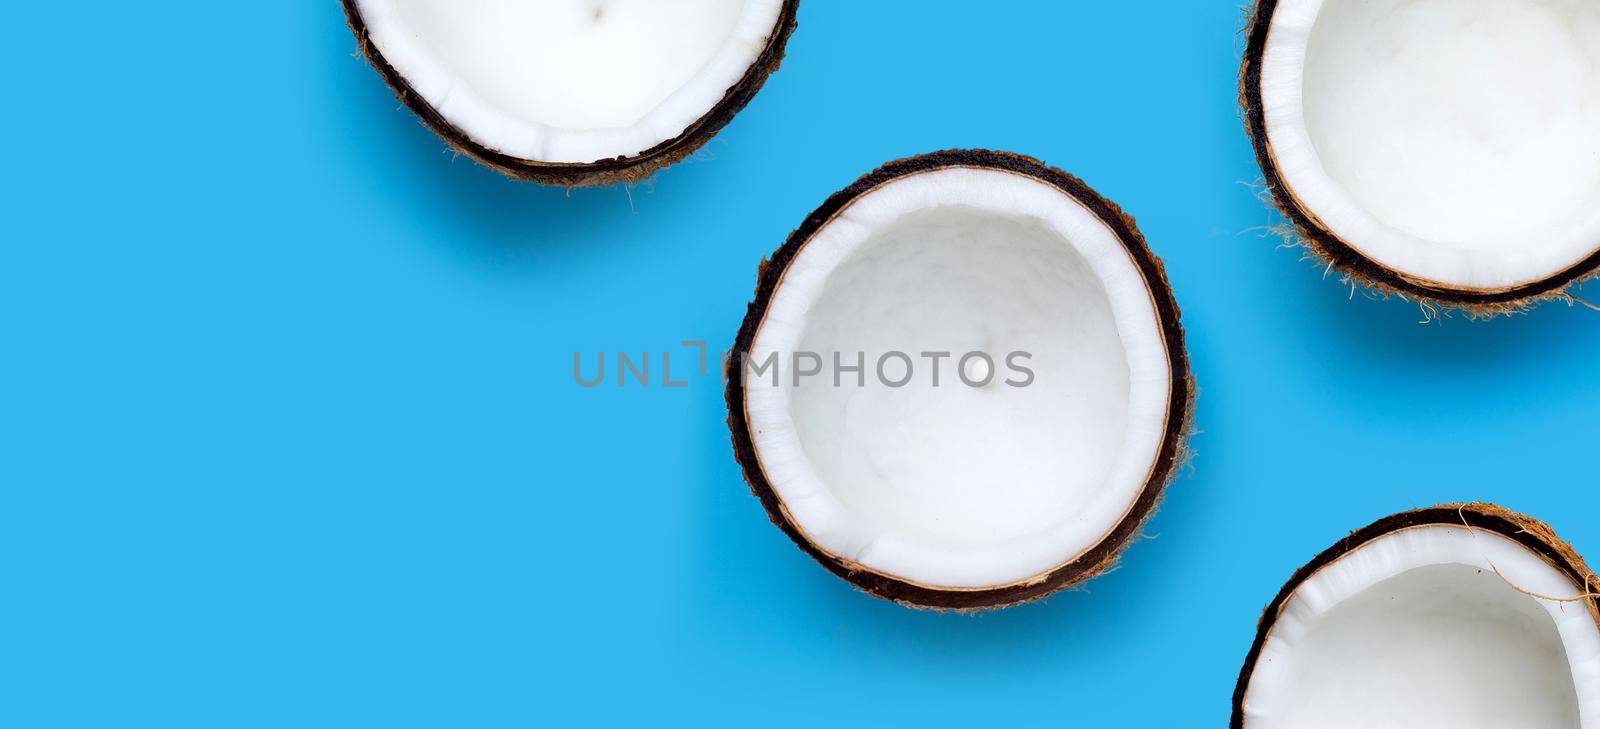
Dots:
{"x": 571, "y": 81}
{"x": 1430, "y": 627}
{"x": 956, "y": 486}
{"x": 1454, "y": 141}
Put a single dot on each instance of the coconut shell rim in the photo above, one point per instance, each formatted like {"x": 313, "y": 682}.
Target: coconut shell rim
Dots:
{"x": 623, "y": 169}
{"x": 1092, "y": 562}
{"x": 1532, "y": 534}
{"x": 1347, "y": 258}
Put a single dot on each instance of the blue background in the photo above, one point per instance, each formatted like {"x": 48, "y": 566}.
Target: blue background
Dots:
{"x": 289, "y": 434}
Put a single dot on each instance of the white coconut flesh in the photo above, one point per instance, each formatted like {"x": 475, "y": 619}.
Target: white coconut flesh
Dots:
{"x": 1454, "y": 141}
{"x": 955, "y": 486}
{"x": 571, "y": 81}
{"x": 1430, "y": 627}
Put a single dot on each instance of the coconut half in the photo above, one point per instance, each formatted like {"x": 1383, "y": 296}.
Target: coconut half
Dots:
{"x": 1445, "y": 150}
{"x": 574, "y": 92}
{"x": 1011, "y": 476}
{"x": 1454, "y": 616}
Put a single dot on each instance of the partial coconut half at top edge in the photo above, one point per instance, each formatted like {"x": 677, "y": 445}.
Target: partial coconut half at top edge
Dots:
{"x": 1065, "y": 393}
{"x": 1451, "y": 616}
{"x": 574, "y": 92}
{"x": 1447, "y": 152}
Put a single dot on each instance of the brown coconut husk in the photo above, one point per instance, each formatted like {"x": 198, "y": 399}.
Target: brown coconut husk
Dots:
{"x": 1303, "y": 229}
{"x": 1525, "y": 530}
{"x": 627, "y": 169}
{"x": 1173, "y": 453}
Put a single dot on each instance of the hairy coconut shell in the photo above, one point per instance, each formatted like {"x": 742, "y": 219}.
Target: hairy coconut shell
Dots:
{"x": 1180, "y": 408}
{"x": 1333, "y": 251}
{"x": 1525, "y": 530}
{"x": 627, "y": 169}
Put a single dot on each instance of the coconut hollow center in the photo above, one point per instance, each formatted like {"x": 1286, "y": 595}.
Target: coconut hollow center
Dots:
{"x": 975, "y": 383}
{"x": 1428, "y": 627}
{"x": 1455, "y": 143}
{"x": 1020, "y": 430}
{"x": 571, "y": 81}
{"x": 1470, "y": 123}
{"x": 1437, "y": 647}
{"x": 573, "y": 64}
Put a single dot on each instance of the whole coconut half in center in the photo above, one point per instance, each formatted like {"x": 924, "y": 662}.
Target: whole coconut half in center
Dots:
{"x": 1452, "y": 617}
{"x": 962, "y": 383}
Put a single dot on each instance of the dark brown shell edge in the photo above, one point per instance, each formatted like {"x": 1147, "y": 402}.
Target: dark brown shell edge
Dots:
{"x": 1531, "y": 533}
{"x": 628, "y": 169}
{"x": 1173, "y": 453}
{"x": 1355, "y": 267}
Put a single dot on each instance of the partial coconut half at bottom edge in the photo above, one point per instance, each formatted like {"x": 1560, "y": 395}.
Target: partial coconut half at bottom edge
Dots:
{"x": 1332, "y": 92}
{"x": 1453, "y": 615}
{"x": 631, "y": 166}
{"x": 953, "y": 575}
